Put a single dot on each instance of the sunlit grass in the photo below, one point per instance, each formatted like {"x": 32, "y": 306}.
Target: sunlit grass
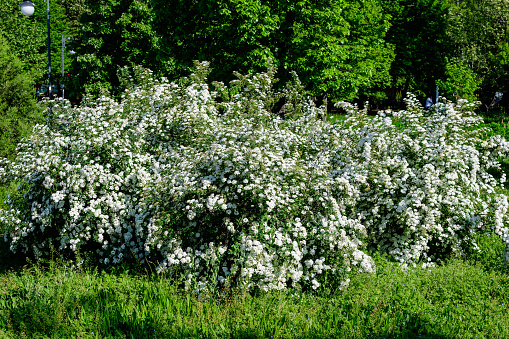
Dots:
{"x": 457, "y": 299}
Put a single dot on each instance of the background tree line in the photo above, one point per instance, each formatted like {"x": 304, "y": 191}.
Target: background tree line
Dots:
{"x": 373, "y": 50}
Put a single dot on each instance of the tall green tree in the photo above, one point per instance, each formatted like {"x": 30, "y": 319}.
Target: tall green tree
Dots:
{"x": 114, "y": 34}
{"x": 459, "y": 82}
{"x": 18, "y": 110}
{"x": 337, "y": 47}
{"x": 418, "y": 32}
{"x": 501, "y": 61}
{"x": 477, "y": 29}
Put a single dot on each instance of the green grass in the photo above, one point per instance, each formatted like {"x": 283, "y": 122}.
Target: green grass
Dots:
{"x": 459, "y": 299}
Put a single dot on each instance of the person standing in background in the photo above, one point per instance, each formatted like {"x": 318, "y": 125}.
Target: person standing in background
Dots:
{"x": 429, "y": 103}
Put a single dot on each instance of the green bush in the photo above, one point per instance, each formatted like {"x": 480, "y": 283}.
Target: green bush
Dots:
{"x": 460, "y": 83}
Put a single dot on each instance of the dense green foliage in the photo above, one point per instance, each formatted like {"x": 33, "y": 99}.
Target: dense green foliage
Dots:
{"x": 18, "y": 110}
{"x": 114, "y": 34}
{"x": 476, "y": 30}
{"x": 26, "y": 37}
{"x": 344, "y": 50}
{"x": 368, "y": 49}
{"x": 460, "y": 81}
{"x": 418, "y": 33}
{"x": 336, "y": 47}
{"x": 74, "y": 9}
{"x": 59, "y": 24}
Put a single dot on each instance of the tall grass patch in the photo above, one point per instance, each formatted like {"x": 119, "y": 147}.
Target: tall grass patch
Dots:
{"x": 452, "y": 301}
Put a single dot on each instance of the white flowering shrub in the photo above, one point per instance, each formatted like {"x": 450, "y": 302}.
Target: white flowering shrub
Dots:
{"x": 217, "y": 189}
{"x": 425, "y": 189}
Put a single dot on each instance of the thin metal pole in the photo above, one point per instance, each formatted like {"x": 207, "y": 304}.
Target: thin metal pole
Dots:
{"x": 63, "y": 46}
{"x": 50, "y": 95}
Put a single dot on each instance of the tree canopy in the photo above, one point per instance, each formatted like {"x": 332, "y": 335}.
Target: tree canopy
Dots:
{"x": 114, "y": 34}
{"x": 18, "y": 111}
{"x": 478, "y": 30}
{"x": 418, "y": 32}
{"x": 26, "y": 37}
{"x": 348, "y": 50}
{"x": 335, "y": 46}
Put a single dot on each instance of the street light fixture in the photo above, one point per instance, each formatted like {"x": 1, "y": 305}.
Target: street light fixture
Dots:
{"x": 28, "y": 8}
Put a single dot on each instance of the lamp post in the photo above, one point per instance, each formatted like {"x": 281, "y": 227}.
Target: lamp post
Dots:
{"x": 72, "y": 52}
{"x": 28, "y": 8}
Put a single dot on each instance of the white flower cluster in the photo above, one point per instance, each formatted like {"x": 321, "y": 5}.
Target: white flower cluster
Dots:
{"x": 222, "y": 191}
{"x": 425, "y": 187}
